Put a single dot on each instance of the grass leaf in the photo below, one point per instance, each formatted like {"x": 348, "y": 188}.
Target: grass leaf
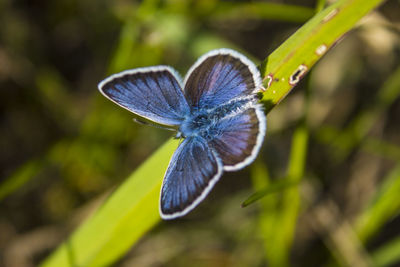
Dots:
{"x": 125, "y": 216}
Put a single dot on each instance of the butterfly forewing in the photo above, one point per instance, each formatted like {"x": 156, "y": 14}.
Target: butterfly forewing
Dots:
{"x": 220, "y": 76}
{"x": 192, "y": 172}
{"x": 153, "y": 93}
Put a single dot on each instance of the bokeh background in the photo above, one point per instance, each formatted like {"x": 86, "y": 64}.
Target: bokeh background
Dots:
{"x": 64, "y": 147}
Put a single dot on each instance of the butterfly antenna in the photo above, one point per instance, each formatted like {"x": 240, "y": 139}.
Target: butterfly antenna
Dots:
{"x": 154, "y": 125}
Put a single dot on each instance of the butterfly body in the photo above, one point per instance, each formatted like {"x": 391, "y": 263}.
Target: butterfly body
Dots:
{"x": 204, "y": 123}
{"x": 215, "y": 112}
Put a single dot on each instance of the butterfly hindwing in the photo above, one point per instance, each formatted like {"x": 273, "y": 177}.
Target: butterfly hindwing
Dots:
{"x": 192, "y": 172}
{"x": 220, "y": 76}
{"x": 240, "y": 138}
{"x": 154, "y": 93}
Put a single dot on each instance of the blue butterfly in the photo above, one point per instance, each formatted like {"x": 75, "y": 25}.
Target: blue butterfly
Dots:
{"x": 215, "y": 111}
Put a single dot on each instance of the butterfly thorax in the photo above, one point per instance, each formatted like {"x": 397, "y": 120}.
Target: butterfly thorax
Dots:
{"x": 204, "y": 122}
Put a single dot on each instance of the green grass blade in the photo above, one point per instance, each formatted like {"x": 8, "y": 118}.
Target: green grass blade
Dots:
{"x": 274, "y": 187}
{"x": 298, "y": 154}
{"x": 20, "y": 177}
{"x": 279, "y": 213}
{"x": 384, "y": 207}
{"x": 320, "y": 5}
{"x": 388, "y": 254}
{"x": 269, "y": 211}
{"x": 291, "y": 197}
{"x": 128, "y": 213}
{"x": 259, "y": 10}
{"x": 289, "y": 63}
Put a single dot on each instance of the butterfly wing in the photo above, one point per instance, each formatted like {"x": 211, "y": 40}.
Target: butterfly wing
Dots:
{"x": 192, "y": 172}
{"x": 240, "y": 138}
{"x": 220, "y": 76}
{"x": 153, "y": 93}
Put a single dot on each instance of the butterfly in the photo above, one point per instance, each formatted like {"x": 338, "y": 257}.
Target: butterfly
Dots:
{"x": 215, "y": 111}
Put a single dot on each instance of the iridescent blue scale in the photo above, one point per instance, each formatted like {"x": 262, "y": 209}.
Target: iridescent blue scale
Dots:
{"x": 216, "y": 113}
{"x": 205, "y": 123}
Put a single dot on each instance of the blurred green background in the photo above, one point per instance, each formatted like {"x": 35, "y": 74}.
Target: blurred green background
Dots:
{"x": 65, "y": 147}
